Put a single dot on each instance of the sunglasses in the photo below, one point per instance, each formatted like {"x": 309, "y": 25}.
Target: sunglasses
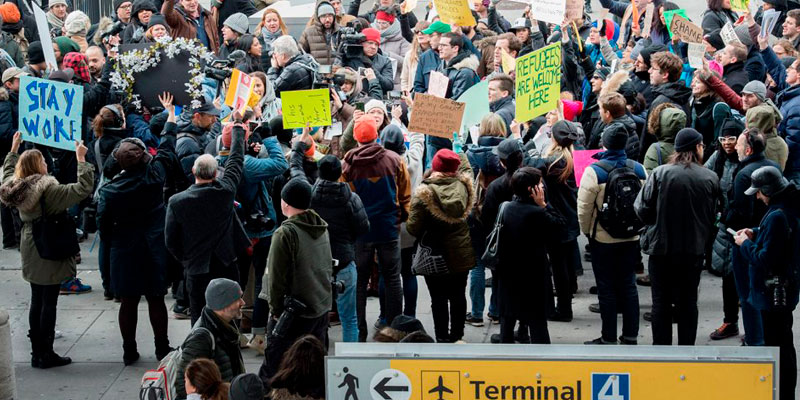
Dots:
{"x": 727, "y": 139}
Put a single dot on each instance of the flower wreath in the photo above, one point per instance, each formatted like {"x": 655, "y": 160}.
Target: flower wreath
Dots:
{"x": 137, "y": 61}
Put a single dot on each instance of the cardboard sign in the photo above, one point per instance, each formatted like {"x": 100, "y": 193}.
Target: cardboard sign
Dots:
{"x": 170, "y": 75}
{"x": 581, "y": 159}
{"x": 50, "y": 112}
{"x": 436, "y": 116}
{"x": 696, "y": 53}
{"x": 455, "y": 12}
{"x": 728, "y": 34}
{"x": 549, "y": 10}
{"x": 648, "y": 20}
{"x": 689, "y": 32}
{"x": 509, "y": 62}
{"x": 437, "y": 84}
{"x": 239, "y": 90}
{"x": 44, "y": 36}
{"x": 669, "y": 15}
{"x": 538, "y": 82}
{"x": 477, "y": 100}
{"x": 574, "y": 9}
{"x": 740, "y": 5}
{"x": 306, "y": 107}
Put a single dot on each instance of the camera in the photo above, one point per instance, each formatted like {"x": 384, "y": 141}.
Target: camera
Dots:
{"x": 777, "y": 287}
{"x": 220, "y": 69}
{"x": 258, "y": 221}
{"x": 114, "y": 30}
{"x": 349, "y": 40}
{"x": 292, "y": 308}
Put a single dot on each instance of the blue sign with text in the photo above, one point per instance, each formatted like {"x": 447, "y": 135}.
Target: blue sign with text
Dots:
{"x": 50, "y": 112}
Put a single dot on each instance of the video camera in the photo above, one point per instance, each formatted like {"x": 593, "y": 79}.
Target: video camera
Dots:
{"x": 115, "y": 29}
{"x": 349, "y": 40}
{"x": 221, "y": 69}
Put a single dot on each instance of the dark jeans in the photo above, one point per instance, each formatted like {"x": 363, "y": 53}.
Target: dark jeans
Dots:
{"x": 751, "y": 317}
{"x": 537, "y": 328}
{"x": 11, "y": 224}
{"x": 197, "y": 284}
{"x": 129, "y": 315}
{"x": 614, "y": 265}
{"x": 410, "y": 287}
{"x": 259, "y": 261}
{"x": 448, "y": 322}
{"x": 42, "y": 317}
{"x": 674, "y": 279}
{"x": 389, "y": 263}
{"x": 778, "y": 333}
{"x": 730, "y": 300}
{"x": 277, "y": 346}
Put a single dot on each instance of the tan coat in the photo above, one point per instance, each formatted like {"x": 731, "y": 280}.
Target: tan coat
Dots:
{"x": 590, "y": 200}
{"x": 182, "y": 26}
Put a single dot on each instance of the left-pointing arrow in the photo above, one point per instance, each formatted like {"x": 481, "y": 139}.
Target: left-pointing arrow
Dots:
{"x": 381, "y": 388}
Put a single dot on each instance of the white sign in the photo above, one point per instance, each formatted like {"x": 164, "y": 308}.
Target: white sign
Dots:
{"x": 768, "y": 21}
{"x": 437, "y": 84}
{"x": 44, "y": 36}
{"x": 549, "y": 10}
{"x": 697, "y": 51}
{"x": 390, "y": 384}
{"x": 648, "y": 20}
{"x": 729, "y": 35}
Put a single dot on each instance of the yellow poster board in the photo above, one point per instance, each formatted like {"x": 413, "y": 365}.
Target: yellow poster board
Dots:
{"x": 740, "y": 5}
{"x": 306, "y": 107}
{"x": 239, "y": 90}
{"x": 454, "y": 12}
{"x": 538, "y": 82}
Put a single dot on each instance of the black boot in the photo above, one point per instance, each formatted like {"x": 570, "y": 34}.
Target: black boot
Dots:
{"x": 48, "y": 358}
{"x": 35, "y": 349}
{"x": 130, "y": 354}
{"x": 162, "y": 348}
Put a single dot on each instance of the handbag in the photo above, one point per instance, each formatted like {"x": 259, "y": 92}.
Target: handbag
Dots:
{"x": 54, "y": 235}
{"x": 491, "y": 256}
{"x": 428, "y": 260}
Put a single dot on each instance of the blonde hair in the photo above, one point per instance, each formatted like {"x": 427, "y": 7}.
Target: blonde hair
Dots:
{"x": 564, "y": 153}
{"x": 492, "y": 125}
{"x": 29, "y": 163}
{"x": 268, "y": 11}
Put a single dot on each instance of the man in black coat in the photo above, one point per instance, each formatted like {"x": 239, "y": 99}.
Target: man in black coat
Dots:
{"x": 291, "y": 69}
{"x": 202, "y": 230}
{"x": 732, "y": 60}
{"x": 193, "y": 135}
{"x": 501, "y": 99}
{"x": 665, "y": 72}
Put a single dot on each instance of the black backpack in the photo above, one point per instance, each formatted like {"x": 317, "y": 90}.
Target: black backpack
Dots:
{"x": 617, "y": 216}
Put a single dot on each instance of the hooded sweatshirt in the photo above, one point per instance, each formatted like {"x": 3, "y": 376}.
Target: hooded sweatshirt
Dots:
{"x": 670, "y": 121}
{"x": 766, "y": 117}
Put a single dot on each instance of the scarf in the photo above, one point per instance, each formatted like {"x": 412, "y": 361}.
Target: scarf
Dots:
{"x": 55, "y": 22}
{"x": 269, "y": 37}
{"x": 391, "y": 31}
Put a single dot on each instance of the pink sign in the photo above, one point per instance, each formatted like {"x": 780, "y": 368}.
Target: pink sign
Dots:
{"x": 582, "y": 159}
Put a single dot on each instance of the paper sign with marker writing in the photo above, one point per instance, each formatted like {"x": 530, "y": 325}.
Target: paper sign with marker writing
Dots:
{"x": 306, "y": 107}
{"x": 538, "y": 82}
{"x": 581, "y": 159}
{"x": 574, "y": 9}
{"x": 436, "y": 116}
{"x": 740, "y": 5}
{"x": 509, "y": 63}
{"x": 455, "y": 12}
{"x": 239, "y": 90}
{"x": 437, "y": 84}
{"x": 697, "y": 51}
{"x": 50, "y": 112}
{"x": 648, "y": 20}
{"x": 728, "y": 34}
{"x": 549, "y": 10}
{"x": 669, "y": 15}
{"x": 688, "y": 32}
{"x": 409, "y": 5}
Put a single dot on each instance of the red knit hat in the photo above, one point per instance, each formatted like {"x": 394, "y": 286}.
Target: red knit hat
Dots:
{"x": 372, "y": 35}
{"x": 446, "y": 161}
{"x": 384, "y": 16}
{"x": 10, "y": 13}
{"x": 227, "y": 131}
{"x": 365, "y": 130}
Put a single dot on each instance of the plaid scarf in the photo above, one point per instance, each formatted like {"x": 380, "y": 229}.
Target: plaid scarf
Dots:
{"x": 78, "y": 63}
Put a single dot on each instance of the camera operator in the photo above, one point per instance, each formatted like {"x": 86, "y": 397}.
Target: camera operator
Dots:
{"x": 291, "y": 69}
{"x": 300, "y": 268}
{"x": 375, "y": 64}
{"x": 772, "y": 250}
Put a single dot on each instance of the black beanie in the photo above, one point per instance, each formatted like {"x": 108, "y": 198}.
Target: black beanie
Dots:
{"x": 649, "y": 51}
{"x": 392, "y": 139}
{"x": 246, "y": 387}
{"x": 276, "y": 126}
{"x": 614, "y": 139}
{"x": 731, "y": 127}
{"x": 714, "y": 38}
{"x": 330, "y": 168}
{"x": 686, "y": 139}
{"x": 35, "y": 53}
{"x": 297, "y": 193}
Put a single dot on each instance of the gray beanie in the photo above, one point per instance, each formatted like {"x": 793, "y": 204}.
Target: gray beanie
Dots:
{"x": 221, "y": 293}
{"x": 56, "y": 2}
{"x": 238, "y": 22}
{"x": 757, "y": 88}
{"x": 246, "y": 387}
{"x": 325, "y": 8}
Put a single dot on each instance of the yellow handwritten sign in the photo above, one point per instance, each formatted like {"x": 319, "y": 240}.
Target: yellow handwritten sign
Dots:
{"x": 306, "y": 107}
{"x": 454, "y": 12}
{"x": 740, "y": 5}
{"x": 538, "y": 82}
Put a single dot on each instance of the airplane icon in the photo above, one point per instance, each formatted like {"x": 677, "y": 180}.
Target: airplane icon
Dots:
{"x": 441, "y": 389}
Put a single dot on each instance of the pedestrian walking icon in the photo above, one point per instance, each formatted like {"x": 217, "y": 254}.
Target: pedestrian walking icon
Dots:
{"x": 351, "y": 381}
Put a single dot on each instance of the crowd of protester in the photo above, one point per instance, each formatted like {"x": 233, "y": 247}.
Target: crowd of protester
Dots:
{"x": 699, "y": 169}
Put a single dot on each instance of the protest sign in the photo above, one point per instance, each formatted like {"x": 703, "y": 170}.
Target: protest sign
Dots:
{"x": 635, "y": 15}
{"x": 43, "y": 29}
{"x": 437, "y": 84}
{"x": 574, "y": 9}
{"x": 668, "y": 15}
{"x": 169, "y": 75}
{"x": 740, "y": 5}
{"x": 477, "y": 100}
{"x": 728, "y": 34}
{"x": 648, "y": 20}
{"x": 688, "y": 32}
{"x": 538, "y": 82}
{"x": 50, "y": 112}
{"x": 408, "y": 6}
{"x": 509, "y": 63}
{"x": 549, "y": 10}
{"x": 454, "y": 12}
{"x": 697, "y": 51}
{"x": 581, "y": 159}
{"x": 436, "y": 116}
{"x": 239, "y": 90}
{"x": 306, "y": 108}
{"x": 768, "y": 21}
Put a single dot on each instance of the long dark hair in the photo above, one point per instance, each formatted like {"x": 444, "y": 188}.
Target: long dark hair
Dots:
{"x": 249, "y": 63}
{"x": 657, "y": 25}
{"x": 302, "y": 370}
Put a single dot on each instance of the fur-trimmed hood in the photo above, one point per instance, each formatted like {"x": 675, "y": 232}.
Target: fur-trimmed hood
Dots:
{"x": 463, "y": 60}
{"x": 448, "y": 199}
{"x": 102, "y": 26}
{"x": 4, "y": 94}
{"x": 25, "y": 193}
{"x": 284, "y": 394}
{"x": 614, "y": 82}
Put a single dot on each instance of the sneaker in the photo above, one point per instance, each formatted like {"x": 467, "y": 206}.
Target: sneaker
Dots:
{"x": 495, "y": 338}
{"x": 623, "y": 340}
{"x": 75, "y": 286}
{"x": 107, "y": 295}
{"x": 57, "y": 335}
{"x": 380, "y": 323}
{"x": 725, "y": 331}
{"x": 599, "y": 340}
{"x": 258, "y": 343}
{"x": 494, "y": 319}
{"x": 473, "y": 320}
{"x": 643, "y": 280}
{"x": 179, "y": 312}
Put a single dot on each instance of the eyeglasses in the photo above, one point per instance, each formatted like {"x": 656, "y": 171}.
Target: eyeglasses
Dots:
{"x": 126, "y": 6}
{"x": 444, "y": 44}
{"x": 727, "y": 139}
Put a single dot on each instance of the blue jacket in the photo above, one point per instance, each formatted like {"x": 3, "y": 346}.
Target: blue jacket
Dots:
{"x": 789, "y": 103}
{"x": 428, "y": 61}
{"x": 141, "y": 130}
{"x": 257, "y": 172}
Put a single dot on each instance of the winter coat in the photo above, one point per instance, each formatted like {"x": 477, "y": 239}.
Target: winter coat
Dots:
{"x": 380, "y": 178}
{"x": 395, "y": 46}
{"x": 408, "y": 72}
{"x": 439, "y": 210}
{"x": 184, "y": 26}
{"x": 755, "y": 66}
{"x": 317, "y": 42}
{"x": 735, "y": 76}
{"x": 134, "y": 32}
{"x": 670, "y": 122}
{"x": 297, "y": 74}
{"x": 191, "y": 144}
{"x": 725, "y": 93}
{"x": 745, "y": 211}
{"x": 714, "y": 20}
{"x": 348, "y": 142}
{"x": 624, "y": 123}
{"x": 482, "y": 159}
{"x": 708, "y": 114}
{"x": 723, "y": 243}
{"x": 198, "y": 344}
{"x": 24, "y": 195}
{"x": 678, "y": 230}
{"x": 461, "y": 71}
{"x": 11, "y": 47}
{"x": 9, "y": 118}
{"x": 765, "y": 117}
{"x": 522, "y": 272}
{"x": 428, "y": 61}
{"x": 672, "y": 92}
{"x": 591, "y": 192}
{"x": 789, "y": 103}
{"x": 505, "y": 108}
{"x": 230, "y": 7}
{"x": 300, "y": 266}
{"x": 201, "y": 222}
{"x": 379, "y": 63}
{"x": 563, "y": 196}
{"x": 130, "y": 217}
{"x": 641, "y": 83}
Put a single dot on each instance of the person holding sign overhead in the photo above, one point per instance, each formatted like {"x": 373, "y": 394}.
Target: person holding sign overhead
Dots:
{"x": 28, "y": 187}
{"x": 716, "y": 16}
